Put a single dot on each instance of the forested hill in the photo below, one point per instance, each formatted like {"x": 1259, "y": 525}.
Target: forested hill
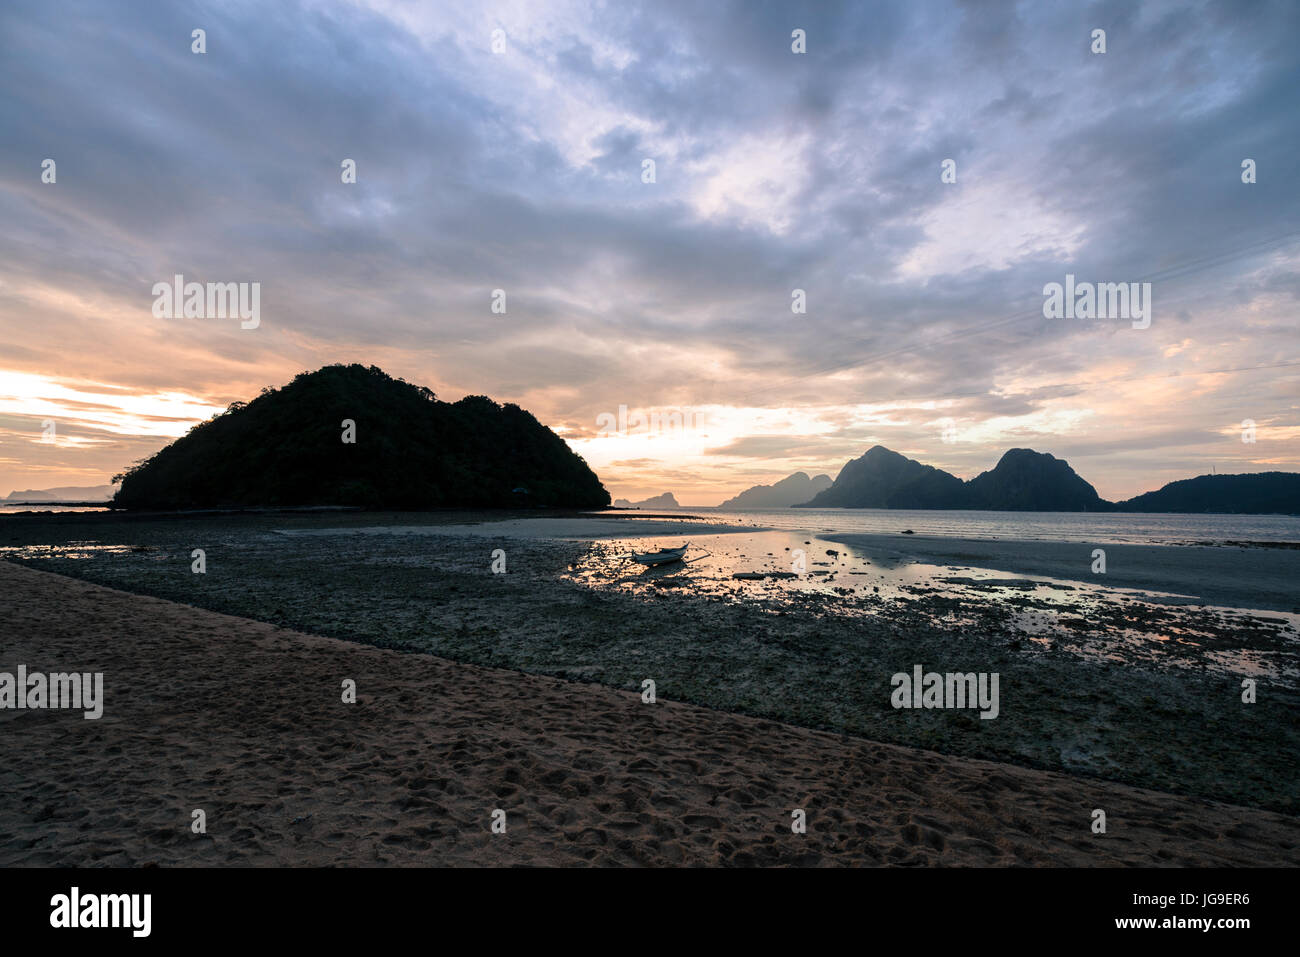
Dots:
{"x": 1252, "y": 493}
{"x": 409, "y": 450}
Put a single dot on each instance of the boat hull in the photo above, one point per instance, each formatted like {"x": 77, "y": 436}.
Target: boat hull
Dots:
{"x": 666, "y": 557}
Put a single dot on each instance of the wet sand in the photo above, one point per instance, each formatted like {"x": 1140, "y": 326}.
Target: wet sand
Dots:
{"x": 244, "y": 720}
{"x": 1093, "y": 682}
{"x": 1232, "y": 575}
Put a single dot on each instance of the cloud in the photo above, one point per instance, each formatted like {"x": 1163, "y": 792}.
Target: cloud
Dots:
{"x": 520, "y": 171}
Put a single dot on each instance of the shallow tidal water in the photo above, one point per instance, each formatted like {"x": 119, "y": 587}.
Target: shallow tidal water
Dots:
{"x": 778, "y": 569}
{"x": 1093, "y": 681}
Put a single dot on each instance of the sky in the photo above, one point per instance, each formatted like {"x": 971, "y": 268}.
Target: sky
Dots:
{"x": 653, "y": 324}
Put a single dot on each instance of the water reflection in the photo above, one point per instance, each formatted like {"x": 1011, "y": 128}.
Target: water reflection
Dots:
{"x": 782, "y": 572}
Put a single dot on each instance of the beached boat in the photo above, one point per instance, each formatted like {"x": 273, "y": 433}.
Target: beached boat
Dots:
{"x": 661, "y": 558}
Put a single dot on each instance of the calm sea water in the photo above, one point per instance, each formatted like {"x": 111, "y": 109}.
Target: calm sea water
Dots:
{"x": 1100, "y": 527}
{"x": 7, "y": 509}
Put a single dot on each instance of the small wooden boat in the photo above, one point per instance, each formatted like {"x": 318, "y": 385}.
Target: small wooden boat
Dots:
{"x": 665, "y": 557}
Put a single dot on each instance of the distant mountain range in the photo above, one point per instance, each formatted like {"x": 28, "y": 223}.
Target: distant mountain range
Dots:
{"x": 91, "y": 493}
{"x": 788, "y": 492}
{"x": 665, "y": 500}
{"x": 352, "y": 435}
{"x": 1025, "y": 480}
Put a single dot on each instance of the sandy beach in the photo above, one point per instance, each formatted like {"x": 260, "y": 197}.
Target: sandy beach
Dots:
{"x": 245, "y": 721}
{"x": 1094, "y": 682}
